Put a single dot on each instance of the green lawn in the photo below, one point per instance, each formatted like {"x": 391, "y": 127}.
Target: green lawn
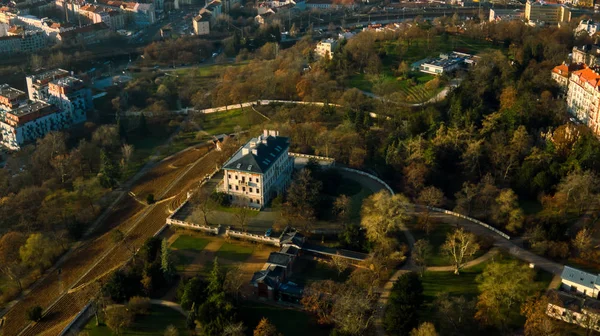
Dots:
{"x": 182, "y": 261}
{"x": 154, "y": 323}
{"x": 234, "y": 252}
{"x": 288, "y": 322}
{"x": 226, "y": 122}
{"x": 190, "y": 243}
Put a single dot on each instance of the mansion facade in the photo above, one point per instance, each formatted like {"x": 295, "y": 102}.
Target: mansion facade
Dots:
{"x": 259, "y": 170}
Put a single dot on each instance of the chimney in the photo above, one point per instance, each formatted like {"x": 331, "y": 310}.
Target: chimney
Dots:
{"x": 254, "y": 151}
{"x": 265, "y": 133}
{"x": 245, "y": 151}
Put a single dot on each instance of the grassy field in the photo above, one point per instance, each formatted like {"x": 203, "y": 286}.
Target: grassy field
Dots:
{"x": 288, "y": 322}
{"x": 234, "y": 252}
{"x": 154, "y": 323}
{"x": 190, "y": 243}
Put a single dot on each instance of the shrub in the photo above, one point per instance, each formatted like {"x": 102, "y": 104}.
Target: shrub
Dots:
{"x": 34, "y": 313}
{"x": 139, "y": 305}
{"x": 150, "y": 199}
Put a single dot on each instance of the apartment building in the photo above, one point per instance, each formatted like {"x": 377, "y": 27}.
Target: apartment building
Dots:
{"x": 583, "y": 97}
{"x": 539, "y": 13}
{"x": 37, "y": 85}
{"x": 326, "y": 47}
{"x": 30, "y": 121}
{"x": 560, "y": 74}
{"x": 259, "y": 170}
{"x": 587, "y": 54}
{"x": 86, "y": 35}
{"x": 590, "y": 27}
{"x": 201, "y": 24}
{"x": 71, "y": 96}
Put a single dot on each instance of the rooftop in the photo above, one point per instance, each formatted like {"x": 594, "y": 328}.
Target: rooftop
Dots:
{"x": 67, "y": 81}
{"x": 29, "y": 107}
{"x": 258, "y": 154}
{"x": 279, "y": 259}
{"x": 10, "y": 92}
{"x": 590, "y": 76}
{"x": 579, "y": 277}
{"x": 50, "y": 74}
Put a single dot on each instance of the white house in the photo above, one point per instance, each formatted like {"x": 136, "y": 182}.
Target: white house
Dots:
{"x": 326, "y": 47}
{"x": 259, "y": 170}
{"x": 577, "y": 281}
{"x": 588, "y": 26}
{"x": 584, "y": 312}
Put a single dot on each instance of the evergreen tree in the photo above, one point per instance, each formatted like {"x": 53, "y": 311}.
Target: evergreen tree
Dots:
{"x": 166, "y": 262}
{"x": 109, "y": 172}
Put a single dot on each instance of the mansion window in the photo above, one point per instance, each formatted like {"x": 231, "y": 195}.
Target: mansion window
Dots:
{"x": 250, "y": 189}
{"x": 237, "y": 188}
{"x": 229, "y": 176}
{"x": 243, "y": 188}
{"x": 230, "y": 187}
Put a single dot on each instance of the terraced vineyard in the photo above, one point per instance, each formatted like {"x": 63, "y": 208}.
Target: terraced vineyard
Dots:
{"x": 418, "y": 94}
{"x": 96, "y": 257}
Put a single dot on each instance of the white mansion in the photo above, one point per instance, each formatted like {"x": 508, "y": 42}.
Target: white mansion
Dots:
{"x": 259, "y": 170}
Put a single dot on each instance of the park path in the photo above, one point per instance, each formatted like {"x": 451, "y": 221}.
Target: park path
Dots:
{"x": 487, "y": 256}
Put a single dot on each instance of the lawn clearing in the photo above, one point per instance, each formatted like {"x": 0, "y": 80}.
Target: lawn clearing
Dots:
{"x": 226, "y": 122}
{"x": 289, "y": 322}
{"x": 154, "y": 323}
{"x": 182, "y": 261}
{"x": 234, "y": 252}
{"x": 184, "y": 242}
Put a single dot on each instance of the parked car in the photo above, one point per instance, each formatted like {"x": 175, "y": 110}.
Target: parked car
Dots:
{"x": 268, "y": 233}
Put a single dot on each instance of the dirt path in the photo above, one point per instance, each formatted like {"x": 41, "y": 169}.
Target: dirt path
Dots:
{"x": 201, "y": 258}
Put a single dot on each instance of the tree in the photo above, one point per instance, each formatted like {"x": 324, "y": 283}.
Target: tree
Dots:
{"x": 506, "y": 210}
{"x": 503, "y": 287}
{"x": 455, "y": 314}
{"x": 265, "y": 328}
{"x": 39, "y": 251}
{"x": 429, "y": 197}
{"x": 342, "y": 207}
{"x": 234, "y": 281}
{"x": 318, "y": 298}
{"x": 403, "y": 69}
{"x": 109, "y": 173}
{"x": 126, "y": 152}
{"x": 405, "y": 300}
{"x": 235, "y": 329}
{"x": 420, "y": 252}
{"x": 118, "y": 318}
{"x": 34, "y": 313}
{"x": 193, "y": 292}
{"x": 460, "y": 246}
{"x": 242, "y": 217}
{"x": 383, "y": 214}
{"x": 340, "y": 263}
{"x": 10, "y": 260}
{"x": 353, "y": 310}
{"x": 579, "y": 188}
{"x": 425, "y": 329}
{"x": 166, "y": 261}
{"x": 107, "y": 137}
{"x": 583, "y": 242}
{"x": 171, "y": 331}
{"x": 303, "y": 197}
{"x": 203, "y": 204}
{"x": 538, "y": 323}
{"x": 138, "y": 305}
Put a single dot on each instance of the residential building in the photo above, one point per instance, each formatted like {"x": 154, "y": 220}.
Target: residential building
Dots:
{"x": 37, "y": 85}
{"x": 583, "y": 97}
{"x": 505, "y": 14}
{"x": 272, "y": 281}
{"x": 580, "y": 282}
{"x": 10, "y": 98}
{"x": 326, "y": 47}
{"x": 25, "y": 41}
{"x": 588, "y": 26}
{"x": 446, "y": 63}
{"x": 265, "y": 17}
{"x": 538, "y": 13}
{"x": 215, "y": 8}
{"x": 86, "y": 35}
{"x": 584, "y": 312}
{"x": 71, "y": 95}
{"x": 143, "y": 14}
{"x": 587, "y": 54}
{"x": 30, "y": 121}
{"x": 201, "y": 24}
{"x": 10, "y": 45}
{"x": 259, "y": 170}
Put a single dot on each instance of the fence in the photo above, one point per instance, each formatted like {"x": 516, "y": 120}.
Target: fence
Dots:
{"x": 209, "y": 229}
{"x": 306, "y": 156}
{"x": 487, "y": 226}
{"x": 79, "y": 321}
{"x": 250, "y": 236}
{"x": 385, "y": 185}
{"x": 448, "y": 212}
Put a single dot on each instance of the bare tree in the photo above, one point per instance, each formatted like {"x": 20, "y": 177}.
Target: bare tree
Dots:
{"x": 127, "y": 152}
{"x": 583, "y": 242}
{"x": 460, "y": 246}
{"x": 342, "y": 207}
{"x": 429, "y": 197}
{"x": 234, "y": 281}
{"x": 340, "y": 263}
{"x": 242, "y": 217}
{"x": 420, "y": 252}
{"x": 203, "y": 205}
{"x": 118, "y": 318}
